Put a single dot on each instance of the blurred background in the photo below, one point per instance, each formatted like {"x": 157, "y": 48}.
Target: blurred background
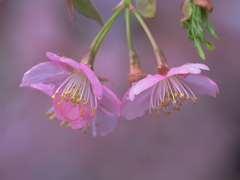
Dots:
{"x": 199, "y": 142}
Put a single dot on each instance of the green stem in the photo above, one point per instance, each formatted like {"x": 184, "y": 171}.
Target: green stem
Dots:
{"x": 128, "y": 30}
{"x": 135, "y": 67}
{"x": 106, "y": 25}
{"x": 101, "y": 38}
{"x": 160, "y": 58}
{"x": 128, "y": 1}
{"x": 92, "y": 50}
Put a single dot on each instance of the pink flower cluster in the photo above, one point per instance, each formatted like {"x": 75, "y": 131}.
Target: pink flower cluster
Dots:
{"x": 80, "y": 100}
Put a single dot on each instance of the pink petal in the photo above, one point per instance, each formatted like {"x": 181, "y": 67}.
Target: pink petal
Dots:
{"x": 66, "y": 108}
{"x": 48, "y": 72}
{"x": 201, "y": 84}
{"x": 131, "y": 109}
{"x": 87, "y": 112}
{"x": 60, "y": 60}
{"x": 110, "y": 101}
{"x": 46, "y": 88}
{"x": 106, "y": 122}
{"x": 144, "y": 84}
{"x": 79, "y": 123}
{"x": 58, "y": 114}
{"x": 187, "y": 69}
{"x": 96, "y": 85}
{"x": 82, "y": 121}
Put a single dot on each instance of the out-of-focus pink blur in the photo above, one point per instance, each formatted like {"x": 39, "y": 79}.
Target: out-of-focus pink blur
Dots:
{"x": 199, "y": 142}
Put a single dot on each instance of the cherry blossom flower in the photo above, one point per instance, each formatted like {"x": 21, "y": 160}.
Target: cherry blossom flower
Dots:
{"x": 76, "y": 91}
{"x": 162, "y": 93}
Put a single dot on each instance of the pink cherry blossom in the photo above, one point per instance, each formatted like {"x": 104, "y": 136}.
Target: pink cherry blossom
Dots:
{"x": 76, "y": 91}
{"x": 162, "y": 93}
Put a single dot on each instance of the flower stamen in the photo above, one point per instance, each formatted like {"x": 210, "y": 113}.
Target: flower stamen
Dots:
{"x": 170, "y": 92}
{"x": 77, "y": 90}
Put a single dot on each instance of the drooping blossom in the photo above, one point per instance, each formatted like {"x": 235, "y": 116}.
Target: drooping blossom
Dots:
{"x": 162, "y": 93}
{"x": 76, "y": 91}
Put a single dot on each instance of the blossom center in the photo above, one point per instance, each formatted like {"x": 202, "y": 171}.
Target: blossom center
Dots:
{"x": 76, "y": 89}
{"x": 170, "y": 93}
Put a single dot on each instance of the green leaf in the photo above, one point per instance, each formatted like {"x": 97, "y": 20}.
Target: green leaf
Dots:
{"x": 199, "y": 49}
{"x": 208, "y": 25}
{"x": 147, "y": 8}
{"x": 208, "y": 45}
{"x": 86, "y": 8}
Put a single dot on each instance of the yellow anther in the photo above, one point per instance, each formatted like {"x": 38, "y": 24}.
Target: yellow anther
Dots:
{"x": 53, "y": 96}
{"x": 65, "y": 92}
{"x": 81, "y": 110}
{"x": 166, "y": 112}
{"x": 61, "y": 96}
{"x": 47, "y": 113}
{"x": 83, "y": 105}
{"x": 78, "y": 101}
{"x": 174, "y": 108}
{"x": 95, "y": 108}
{"x": 63, "y": 123}
{"x": 188, "y": 97}
{"x": 158, "y": 115}
{"x": 96, "y": 124}
{"x": 167, "y": 104}
{"x": 66, "y": 99}
{"x": 52, "y": 117}
{"x": 84, "y": 131}
{"x": 74, "y": 105}
{"x": 150, "y": 112}
{"x": 57, "y": 91}
{"x": 69, "y": 92}
{"x": 162, "y": 101}
{"x": 154, "y": 108}
{"x": 81, "y": 114}
{"x": 176, "y": 94}
{"x": 180, "y": 103}
{"x": 91, "y": 109}
{"x": 59, "y": 103}
{"x": 169, "y": 98}
{"x": 178, "y": 108}
{"x": 69, "y": 125}
{"x": 78, "y": 95}
{"x": 181, "y": 96}
{"x": 194, "y": 102}
{"x": 92, "y": 114}
{"x": 72, "y": 97}
{"x": 174, "y": 101}
{"x": 195, "y": 98}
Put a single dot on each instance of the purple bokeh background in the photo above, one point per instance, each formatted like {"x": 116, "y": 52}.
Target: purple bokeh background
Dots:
{"x": 199, "y": 142}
